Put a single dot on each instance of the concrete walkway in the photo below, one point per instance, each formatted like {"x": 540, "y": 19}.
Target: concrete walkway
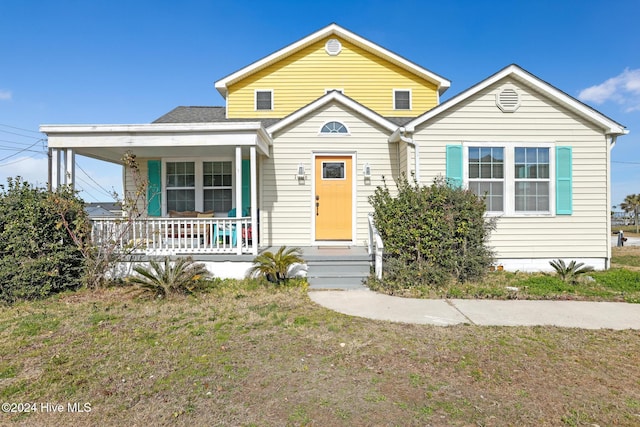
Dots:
{"x": 571, "y": 314}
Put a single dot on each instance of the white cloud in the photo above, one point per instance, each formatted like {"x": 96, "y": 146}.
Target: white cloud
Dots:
{"x": 623, "y": 89}
{"x": 5, "y": 95}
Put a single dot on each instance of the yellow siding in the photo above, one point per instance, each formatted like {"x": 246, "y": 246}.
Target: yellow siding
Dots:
{"x": 303, "y": 77}
{"x": 582, "y": 234}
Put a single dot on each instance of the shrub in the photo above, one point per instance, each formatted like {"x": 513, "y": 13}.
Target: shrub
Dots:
{"x": 276, "y": 267}
{"x": 570, "y": 273}
{"x": 37, "y": 256}
{"x": 436, "y": 234}
{"x": 166, "y": 278}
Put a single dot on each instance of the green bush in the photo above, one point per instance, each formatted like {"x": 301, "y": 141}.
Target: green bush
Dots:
{"x": 163, "y": 279}
{"x": 435, "y": 234}
{"x": 37, "y": 256}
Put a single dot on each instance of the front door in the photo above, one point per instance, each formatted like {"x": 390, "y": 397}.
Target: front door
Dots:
{"x": 333, "y": 198}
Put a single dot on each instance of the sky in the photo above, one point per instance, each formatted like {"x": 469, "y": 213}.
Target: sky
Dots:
{"x": 123, "y": 62}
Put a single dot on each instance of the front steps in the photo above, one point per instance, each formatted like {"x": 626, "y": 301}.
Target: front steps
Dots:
{"x": 337, "y": 267}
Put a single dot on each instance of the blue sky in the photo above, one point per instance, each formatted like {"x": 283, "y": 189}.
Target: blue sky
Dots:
{"x": 112, "y": 61}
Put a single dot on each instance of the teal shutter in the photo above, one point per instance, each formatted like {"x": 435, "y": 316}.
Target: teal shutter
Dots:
{"x": 564, "y": 190}
{"x": 246, "y": 184}
{"x": 154, "y": 189}
{"x": 454, "y": 165}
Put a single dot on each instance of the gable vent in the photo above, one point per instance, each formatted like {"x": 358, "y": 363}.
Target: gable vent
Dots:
{"x": 333, "y": 47}
{"x": 508, "y": 100}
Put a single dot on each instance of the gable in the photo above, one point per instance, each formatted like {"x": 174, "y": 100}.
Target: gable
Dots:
{"x": 305, "y": 70}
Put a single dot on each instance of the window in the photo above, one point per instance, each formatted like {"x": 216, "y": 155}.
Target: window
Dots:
{"x": 199, "y": 185}
{"x": 264, "y": 100}
{"x": 486, "y": 175}
{"x": 513, "y": 178}
{"x": 333, "y": 170}
{"x": 531, "y": 179}
{"x": 181, "y": 192}
{"x": 402, "y": 99}
{"x": 334, "y": 127}
{"x": 218, "y": 191}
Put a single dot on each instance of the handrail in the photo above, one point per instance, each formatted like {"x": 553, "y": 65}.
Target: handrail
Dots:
{"x": 375, "y": 246}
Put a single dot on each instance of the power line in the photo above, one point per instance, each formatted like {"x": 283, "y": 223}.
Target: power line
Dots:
{"x": 626, "y": 163}
{"x": 17, "y": 128}
{"x": 96, "y": 182}
{"x": 18, "y": 161}
{"x": 19, "y": 134}
{"x": 14, "y": 142}
{"x": 18, "y": 152}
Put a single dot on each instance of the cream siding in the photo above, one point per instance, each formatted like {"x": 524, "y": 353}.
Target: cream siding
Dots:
{"x": 129, "y": 185}
{"x": 584, "y": 234}
{"x": 305, "y": 75}
{"x": 287, "y": 209}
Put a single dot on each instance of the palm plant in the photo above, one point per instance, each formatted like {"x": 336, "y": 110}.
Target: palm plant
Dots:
{"x": 167, "y": 278}
{"x": 275, "y": 266}
{"x": 570, "y": 273}
{"x": 632, "y": 204}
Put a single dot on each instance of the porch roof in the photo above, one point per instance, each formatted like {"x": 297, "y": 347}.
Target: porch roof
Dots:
{"x": 108, "y": 142}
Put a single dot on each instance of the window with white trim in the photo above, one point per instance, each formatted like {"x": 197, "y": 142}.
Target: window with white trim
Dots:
{"x": 264, "y": 100}
{"x": 334, "y": 127}
{"x": 402, "y": 99}
{"x": 513, "y": 178}
{"x": 199, "y": 185}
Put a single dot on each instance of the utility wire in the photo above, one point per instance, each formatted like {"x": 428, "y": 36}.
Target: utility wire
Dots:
{"x": 19, "y": 134}
{"x": 107, "y": 192}
{"x": 17, "y": 128}
{"x": 18, "y": 152}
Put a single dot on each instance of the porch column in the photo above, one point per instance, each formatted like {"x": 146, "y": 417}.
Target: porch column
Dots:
{"x": 54, "y": 169}
{"x": 239, "y": 199}
{"x": 254, "y": 201}
{"x": 70, "y": 167}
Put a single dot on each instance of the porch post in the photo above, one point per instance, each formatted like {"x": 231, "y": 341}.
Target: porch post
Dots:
{"x": 238, "y": 199}
{"x": 254, "y": 201}
{"x": 54, "y": 172}
{"x": 70, "y": 167}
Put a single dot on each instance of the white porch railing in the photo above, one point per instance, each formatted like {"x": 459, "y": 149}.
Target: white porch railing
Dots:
{"x": 169, "y": 236}
{"x": 375, "y": 247}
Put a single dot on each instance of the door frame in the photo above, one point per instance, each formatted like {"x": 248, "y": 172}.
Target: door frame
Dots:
{"x": 354, "y": 175}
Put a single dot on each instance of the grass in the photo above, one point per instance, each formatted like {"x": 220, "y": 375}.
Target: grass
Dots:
{"x": 247, "y": 355}
{"x": 621, "y": 284}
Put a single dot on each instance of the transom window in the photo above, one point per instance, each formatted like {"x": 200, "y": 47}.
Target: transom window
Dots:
{"x": 264, "y": 100}
{"x": 402, "y": 99}
{"x": 199, "y": 185}
{"x": 334, "y": 127}
{"x": 514, "y": 178}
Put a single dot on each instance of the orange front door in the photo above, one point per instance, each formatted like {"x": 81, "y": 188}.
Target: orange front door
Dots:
{"x": 333, "y": 198}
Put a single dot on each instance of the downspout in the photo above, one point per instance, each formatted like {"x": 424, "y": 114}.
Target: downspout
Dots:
{"x": 400, "y": 134}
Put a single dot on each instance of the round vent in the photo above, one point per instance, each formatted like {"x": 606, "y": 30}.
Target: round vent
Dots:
{"x": 333, "y": 47}
{"x": 508, "y": 100}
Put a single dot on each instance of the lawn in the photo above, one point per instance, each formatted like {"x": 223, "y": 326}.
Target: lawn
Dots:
{"x": 246, "y": 355}
{"x": 621, "y": 283}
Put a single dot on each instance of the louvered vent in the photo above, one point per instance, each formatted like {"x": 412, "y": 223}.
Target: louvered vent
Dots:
{"x": 508, "y": 100}
{"x": 333, "y": 47}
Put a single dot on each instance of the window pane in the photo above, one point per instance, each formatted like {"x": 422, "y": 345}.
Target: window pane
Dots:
{"x": 180, "y": 174}
{"x": 474, "y": 154}
{"x": 217, "y": 200}
{"x": 498, "y": 170}
{"x": 491, "y": 192}
{"x": 263, "y": 100}
{"x": 474, "y": 171}
{"x": 402, "y": 100}
{"x": 532, "y": 196}
{"x": 333, "y": 170}
{"x": 217, "y": 174}
{"x": 181, "y": 200}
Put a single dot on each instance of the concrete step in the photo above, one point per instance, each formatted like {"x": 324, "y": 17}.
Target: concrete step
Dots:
{"x": 336, "y": 273}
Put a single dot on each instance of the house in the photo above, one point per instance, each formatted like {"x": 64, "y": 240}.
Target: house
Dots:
{"x": 310, "y": 131}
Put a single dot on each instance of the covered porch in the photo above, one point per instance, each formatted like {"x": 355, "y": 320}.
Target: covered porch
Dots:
{"x": 208, "y": 169}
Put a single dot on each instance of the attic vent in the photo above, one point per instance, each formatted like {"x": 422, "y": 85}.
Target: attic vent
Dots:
{"x": 333, "y": 47}
{"x": 508, "y": 100}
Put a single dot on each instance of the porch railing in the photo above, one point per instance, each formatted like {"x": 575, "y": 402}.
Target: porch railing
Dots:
{"x": 375, "y": 247}
{"x": 168, "y": 236}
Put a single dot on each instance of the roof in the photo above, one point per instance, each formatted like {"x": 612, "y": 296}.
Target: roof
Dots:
{"x": 333, "y": 29}
{"x": 518, "y": 73}
{"x": 205, "y": 115}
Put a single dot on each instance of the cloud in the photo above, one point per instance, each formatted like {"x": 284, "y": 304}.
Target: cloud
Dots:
{"x": 5, "y": 95}
{"x": 623, "y": 89}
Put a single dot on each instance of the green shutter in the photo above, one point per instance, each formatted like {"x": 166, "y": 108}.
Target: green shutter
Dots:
{"x": 154, "y": 189}
{"x": 246, "y": 184}
{"x": 454, "y": 165}
{"x": 564, "y": 191}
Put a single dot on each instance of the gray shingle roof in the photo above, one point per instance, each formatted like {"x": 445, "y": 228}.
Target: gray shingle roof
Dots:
{"x": 205, "y": 115}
